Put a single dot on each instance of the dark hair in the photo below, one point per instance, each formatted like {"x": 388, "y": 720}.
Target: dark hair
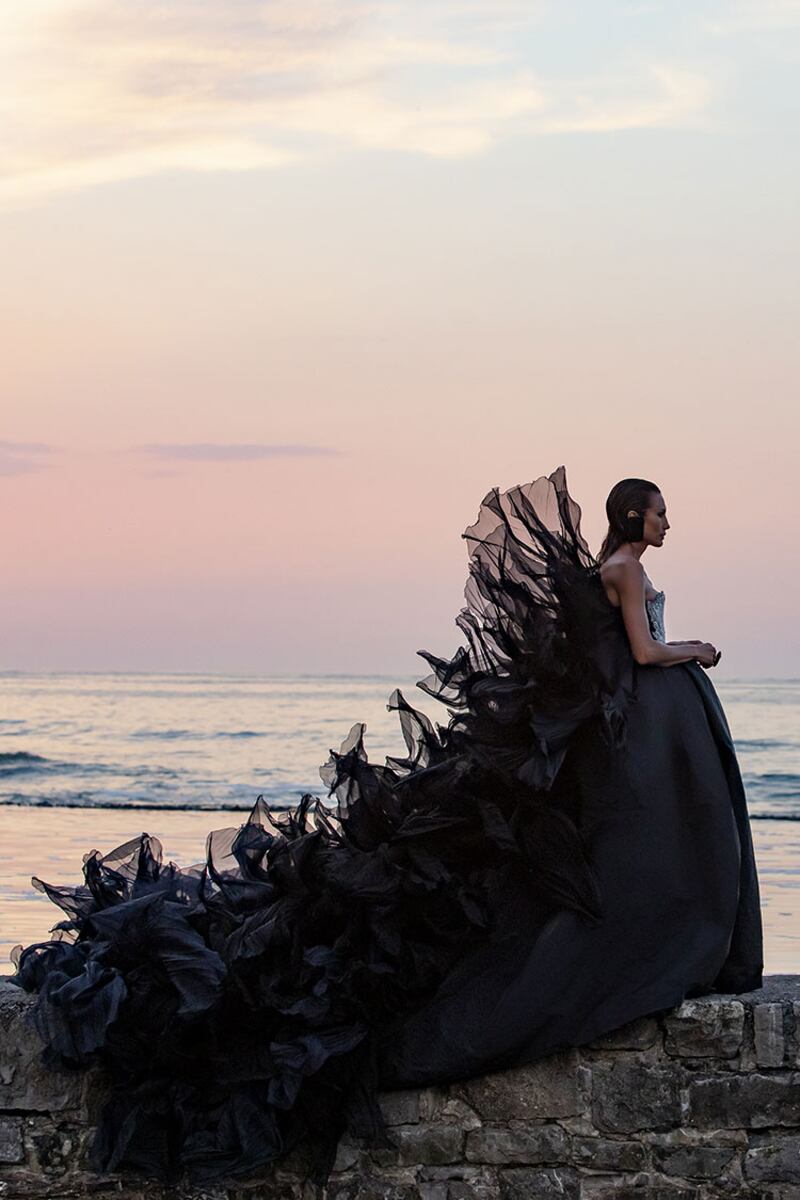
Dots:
{"x": 626, "y": 495}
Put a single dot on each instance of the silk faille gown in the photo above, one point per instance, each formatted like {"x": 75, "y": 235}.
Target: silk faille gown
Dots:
{"x": 568, "y": 851}
{"x": 665, "y": 821}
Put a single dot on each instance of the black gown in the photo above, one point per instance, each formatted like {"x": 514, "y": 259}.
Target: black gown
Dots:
{"x": 569, "y": 851}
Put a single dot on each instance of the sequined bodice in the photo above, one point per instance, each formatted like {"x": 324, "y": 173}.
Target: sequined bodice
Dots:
{"x": 655, "y": 615}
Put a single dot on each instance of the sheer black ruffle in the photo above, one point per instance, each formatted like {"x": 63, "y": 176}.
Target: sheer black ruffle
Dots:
{"x": 236, "y": 1005}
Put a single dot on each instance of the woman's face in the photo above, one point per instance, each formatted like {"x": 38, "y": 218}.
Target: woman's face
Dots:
{"x": 655, "y": 520}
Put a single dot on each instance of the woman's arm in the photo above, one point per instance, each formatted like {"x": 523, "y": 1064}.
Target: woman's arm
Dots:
{"x": 628, "y": 580}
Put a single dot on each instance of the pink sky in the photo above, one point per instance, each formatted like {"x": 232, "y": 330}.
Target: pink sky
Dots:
{"x": 280, "y": 307}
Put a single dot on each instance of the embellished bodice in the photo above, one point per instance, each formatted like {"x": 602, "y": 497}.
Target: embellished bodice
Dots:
{"x": 655, "y": 615}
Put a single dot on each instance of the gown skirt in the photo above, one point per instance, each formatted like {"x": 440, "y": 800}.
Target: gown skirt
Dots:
{"x": 666, "y": 822}
{"x": 569, "y": 851}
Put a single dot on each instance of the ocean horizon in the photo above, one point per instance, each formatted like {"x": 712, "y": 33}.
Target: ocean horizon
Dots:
{"x": 81, "y": 753}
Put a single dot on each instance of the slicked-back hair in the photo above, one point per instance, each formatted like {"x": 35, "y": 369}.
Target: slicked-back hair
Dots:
{"x": 626, "y": 495}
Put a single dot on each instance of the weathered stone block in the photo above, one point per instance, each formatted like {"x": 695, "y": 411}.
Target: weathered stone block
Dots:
{"x": 25, "y": 1085}
{"x": 428, "y": 1145}
{"x": 705, "y": 1029}
{"x": 608, "y": 1154}
{"x": 277, "y": 1189}
{"x": 638, "y": 1187}
{"x": 454, "y": 1111}
{"x": 741, "y": 1101}
{"x": 629, "y": 1095}
{"x": 459, "y": 1183}
{"x": 198, "y": 1192}
{"x": 549, "y": 1088}
{"x": 580, "y": 1126}
{"x": 776, "y": 1161}
{"x": 640, "y": 1034}
{"x": 693, "y": 1162}
{"x": 22, "y": 1184}
{"x": 691, "y": 1136}
{"x": 55, "y": 1148}
{"x": 348, "y": 1154}
{"x": 361, "y": 1188}
{"x": 433, "y": 1191}
{"x": 785, "y": 1191}
{"x": 466, "y": 1190}
{"x": 534, "y": 1144}
{"x": 400, "y": 1108}
{"x": 527, "y": 1183}
{"x": 11, "y": 1150}
{"x": 768, "y": 1035}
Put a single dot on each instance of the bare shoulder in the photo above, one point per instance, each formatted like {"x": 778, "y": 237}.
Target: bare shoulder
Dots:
{"x": 623, "y": 569}
{"x": 622, "y": 576}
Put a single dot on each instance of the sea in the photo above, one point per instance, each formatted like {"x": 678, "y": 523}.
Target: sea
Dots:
{"x": 88, "y": 761}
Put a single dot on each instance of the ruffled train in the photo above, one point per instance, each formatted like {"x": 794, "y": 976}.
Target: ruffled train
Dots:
{"x": 571, "y": 849}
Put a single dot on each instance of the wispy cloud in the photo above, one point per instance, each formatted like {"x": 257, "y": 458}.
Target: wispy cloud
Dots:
{"x": 21, "y": 458}
{"x": 670, "y": 97}
{"x": 96, "y": 92}
{"x": 231, "y": 452}
{"x": 756, "y": 16}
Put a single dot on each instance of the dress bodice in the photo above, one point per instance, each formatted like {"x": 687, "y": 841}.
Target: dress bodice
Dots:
{"x": 655, "y": 615}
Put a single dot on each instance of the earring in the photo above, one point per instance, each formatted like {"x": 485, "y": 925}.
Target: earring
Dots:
{"x": 633, "y": 528}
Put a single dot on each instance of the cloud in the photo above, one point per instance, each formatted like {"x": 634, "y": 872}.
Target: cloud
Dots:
{"x": 674, "y": 97}
{"x": 97, "y": 91}
{"x": 756, "y": 16}
{"x": 231, "y": 452}
{"x": 21, "y": 458}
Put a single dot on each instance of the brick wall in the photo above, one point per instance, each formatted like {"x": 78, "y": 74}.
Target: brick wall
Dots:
{"x": 702, "y": 1102}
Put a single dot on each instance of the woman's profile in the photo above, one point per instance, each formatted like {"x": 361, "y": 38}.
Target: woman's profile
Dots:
{"x": 570, "y": 850}
{"x": 637, "y": 516}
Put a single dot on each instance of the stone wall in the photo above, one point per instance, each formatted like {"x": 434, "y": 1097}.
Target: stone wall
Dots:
{"x": 702, "y": 1102}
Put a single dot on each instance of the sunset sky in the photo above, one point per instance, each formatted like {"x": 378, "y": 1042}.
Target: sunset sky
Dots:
{"x": 287, "y": 287}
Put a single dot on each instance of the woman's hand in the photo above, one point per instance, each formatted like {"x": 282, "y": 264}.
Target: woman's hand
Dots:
{"x": 706, "y": 654}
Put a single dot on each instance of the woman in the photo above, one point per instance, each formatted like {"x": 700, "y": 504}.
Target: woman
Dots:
{"x": 569, "y": 852}
{"x": 665, "y": 819}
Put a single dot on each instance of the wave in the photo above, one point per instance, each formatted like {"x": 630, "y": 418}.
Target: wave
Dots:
{"x": 764, "y": 744}
{"x": 50, "y": 783}
{"x": 17, "y": 800}
{"x": 772, "y": 785}
{"x": 187, "y": 735}
{"x": 281, "y": 803}
{"x": 20, "y": 762}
